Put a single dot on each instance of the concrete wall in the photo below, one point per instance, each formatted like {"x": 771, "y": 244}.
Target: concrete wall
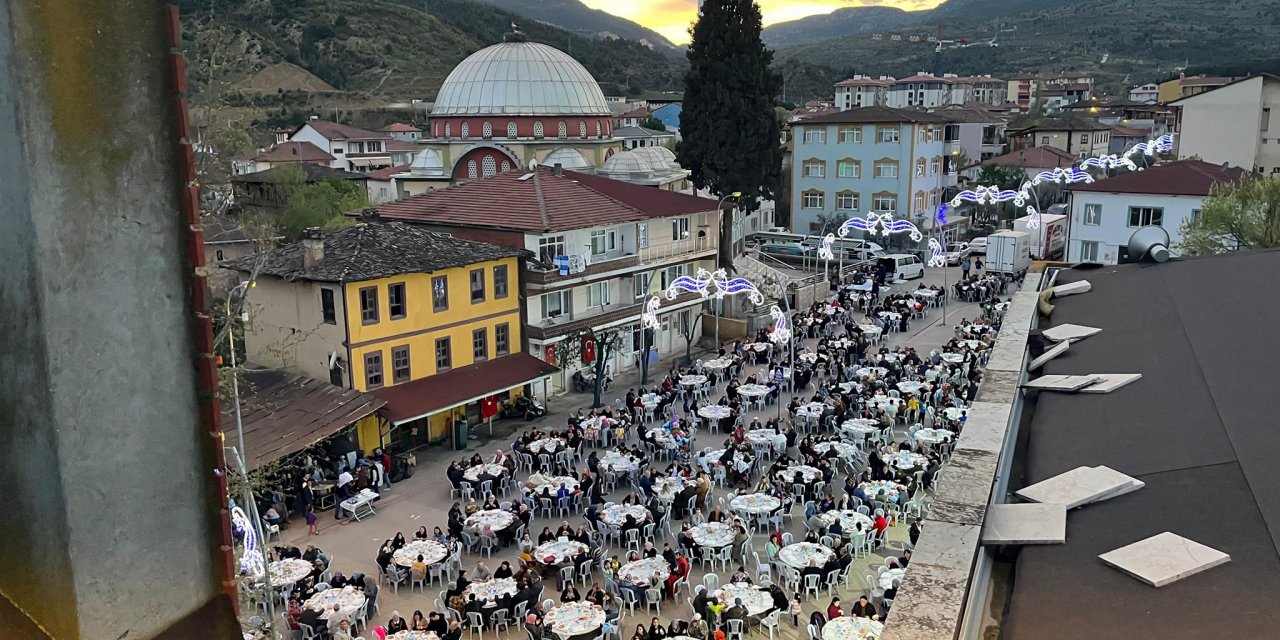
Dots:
{"x": 1223, "y": 125}
{"x": 286, "y": 328}
{"x": 1113, "y": 230}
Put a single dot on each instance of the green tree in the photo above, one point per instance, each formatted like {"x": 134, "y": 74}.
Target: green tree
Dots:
{"x": 1003, "y": 176}
{"x": 1236, "y": 215}
{"x": 653, "y": 123}
{"x": 322, "y": 204}
{"x": 728, "y": 124}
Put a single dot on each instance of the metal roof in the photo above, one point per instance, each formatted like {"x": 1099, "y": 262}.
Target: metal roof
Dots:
{"x": 520, "y": 78}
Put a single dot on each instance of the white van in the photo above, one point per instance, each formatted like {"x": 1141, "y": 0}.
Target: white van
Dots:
{"x": 902, "y": 266}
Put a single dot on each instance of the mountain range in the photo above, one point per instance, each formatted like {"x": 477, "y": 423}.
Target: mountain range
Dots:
{"x": 578, "y": 18}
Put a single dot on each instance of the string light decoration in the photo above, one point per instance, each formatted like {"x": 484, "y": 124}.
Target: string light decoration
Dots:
{"x": 882, "y": 224}
{"x": 824, "y": 248}
{"x": 936, "y": 258}
{"x": 941, "y": 216}
{"x": 990, "y": 195}
{"x": 711, "y": 284}
{"x": 1033, "y": 217}
{"x": 1062, "y": 176}
{"x": 252, "y": 562}
{"x": 781, "y": 330}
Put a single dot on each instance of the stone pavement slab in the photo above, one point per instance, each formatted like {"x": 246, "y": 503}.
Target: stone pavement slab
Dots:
{"x": 1164, "y": 559}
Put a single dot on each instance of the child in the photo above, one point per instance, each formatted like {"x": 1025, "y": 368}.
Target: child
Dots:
{"x": 795, "y": 611}
{"x": 311, "y": 521}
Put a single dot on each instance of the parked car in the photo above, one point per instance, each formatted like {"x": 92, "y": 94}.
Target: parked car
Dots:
{"x": 956, "y": 253}
{"x": 978, "y": 246}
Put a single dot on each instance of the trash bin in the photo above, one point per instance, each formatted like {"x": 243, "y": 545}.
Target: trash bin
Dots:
{"x": 460, "y": 433}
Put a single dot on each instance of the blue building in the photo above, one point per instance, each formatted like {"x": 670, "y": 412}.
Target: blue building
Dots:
{"x": 867, "y": 159}
{"x": 669, "y": 114}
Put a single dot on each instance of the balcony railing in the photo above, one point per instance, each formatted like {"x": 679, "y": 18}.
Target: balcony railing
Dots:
{"x": 595, "y": 316}
{"x": 676, "y": 249}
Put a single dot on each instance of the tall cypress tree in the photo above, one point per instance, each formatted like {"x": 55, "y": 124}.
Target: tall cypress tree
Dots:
{"x": 729, "y": 129}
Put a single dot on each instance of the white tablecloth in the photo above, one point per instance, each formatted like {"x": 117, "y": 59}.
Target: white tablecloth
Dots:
{"x": 847, "y": 520}
{"x": 645, "y": 572}
{"x": 756, "y": 346}
{"x": 889, "y": 576}
{"x": 561, "y": 551}
{"x": 755, "y": 503}
{"x": 798, "y": 555}
{"x": 843, "y": 450}
{"x": 933, "y": 436}
{"x": 810, "y": 474}
{"x": 953, "y": 358}
{"x": 860, "y": 427}
{"x": 431, "y": 551}
{"x": 873, "y": 488}
{"x": 761, "y": 436}
{"x": 692, "y": 380}
{"x": 617, "y": 514}
{"x": 413, "y": 635}
{"x": 811, "y": 358}
{"x": 952, "y": 413}
{"x": 712, "y": 534}
{"x": 810, "y": 410}
{"x": 495, "y": 518}
{"x": 618, "y": 463}
{"x": 717, "y": 364}
{"x": 289, "y": 571}
{"x": 906, "y": 460}
{"x": 910, "y": 386}
{"x": 753, "y": 390}
{"x": 756, "y": 600}
{"x": 575, "y": 618}
{"x": 870, "y": 330}
{"x": 546, "y": 445}
{"x": 552, "y": 483}
{"x": 662, "y": 437}
{"x": 666, "y": 487}
{"x": 473, "y": 474}
{"x": 714, "y": 412}
{"x": 490, "y": 589}
{"x": 847, "y": 628}
{"x": 348, "y": 599}
{"x": 865, "y": 372}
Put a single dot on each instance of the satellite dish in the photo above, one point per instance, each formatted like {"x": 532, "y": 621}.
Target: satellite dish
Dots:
{"x": 1149, "y": 243}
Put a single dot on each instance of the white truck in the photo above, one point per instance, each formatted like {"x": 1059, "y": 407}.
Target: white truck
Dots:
{"x": 1008, "y": 252}
{"x": 1049, "y": 240}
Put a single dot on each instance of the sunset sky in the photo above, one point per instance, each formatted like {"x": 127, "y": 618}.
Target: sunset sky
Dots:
{"x": 671, "y": 18}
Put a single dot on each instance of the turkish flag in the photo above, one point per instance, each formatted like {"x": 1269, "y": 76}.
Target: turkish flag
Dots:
{"x": 488, "y": 407}
{"x": 588, "y": 349}
{"x": 550, "y": 353}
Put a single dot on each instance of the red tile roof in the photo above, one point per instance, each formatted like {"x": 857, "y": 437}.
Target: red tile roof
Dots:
{"x": 1034, "y": 158}
{"x": 392, "y": 144}
{"x": 1182, "y": 178}
{"x": 919, "y": 78}
{"x": 400, "y": 127}
{"x": 459, "y": 386}
{"x": 855, "y": 82}
{"x": 864, "y": 115}
{"x": 294, "y": 152}
{"x": 335, "y": 131}
{"x": 1130, "y": 132}
{"x": 546, "y": 202}
{"x": 642, "y": 112}
{"x": 385, "y": 174}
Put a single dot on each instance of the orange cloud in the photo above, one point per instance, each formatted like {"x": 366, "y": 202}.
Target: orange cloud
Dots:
{"x": 672, "y": 18}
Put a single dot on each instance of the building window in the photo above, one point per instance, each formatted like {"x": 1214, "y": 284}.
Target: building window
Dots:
{"x": 448, "y": 133}
{"x": 477, "y": 285}
{"x": 1088, "y": 251}
{"x": 848, "y": 168}
{"x": 847, "y": 201}
{"x": 1044, "y": 141}
{"x": 373, "y": 369}
{"x": 480, "y": 344}
{"x": 512, "y": 131}
{"x": 935, "y": 165}
{"x": 489, "y": 166}
{"x": 1266, "y": 118}
{"x": 218, "y": 255}
{"x": 549, "y": 248}
{"x": 679, "y": 228}
{"x": 886, "y": 170}
{"x": 920, "y": 168}
{"x": 598, "y": 294}
{"x": 811, "y": 200}
{"x": 1144, "y": 216}
{"x": 1093, "y": 214}
{"x": 556, "y": 304}
{"x": 815, "y": 169}
{"x": 486, "y": 130}
{"x": 1195, "y": 213}
{"x": 917, "y": 202}
{"x": 472, "y": 170}
{"x": 670, "y": 274}
{"x": 395, "y": 301}
{"x": 537, "y": 129}
{"x": 373, "y": 146}
{"x": 885, "y": 203}
{"x": 598, "y": 134}
{"x": 582, "y": 129}
{"x": 502, "y": 339}
{"x": 603, "y": 241}
{"x": 328, "y": 310}
{"x": 506, "y": 166}
{"x": 814, "y": 135}
{"x": 369, "y": 305}
{"x": 466, "y": 131}
{"x": 850, "y": 135}
{"x": 400, "y": 364}
{"x": 444, "y": 355}
{"x": 440, "y": 293}
{"x": 640, "y": 284}
{"x": 500, "y": 281}
{"x": 889, "y": 135}
{"x": 562, "y": 130}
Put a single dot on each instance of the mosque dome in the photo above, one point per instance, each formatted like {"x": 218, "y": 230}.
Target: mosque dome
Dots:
{"x": 427, "y": 162}
{"x": 517, "y": 77}
{"x": 567, "y": 158}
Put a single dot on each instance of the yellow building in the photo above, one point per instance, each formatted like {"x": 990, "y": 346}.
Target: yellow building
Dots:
{"x": 428, "y": 323}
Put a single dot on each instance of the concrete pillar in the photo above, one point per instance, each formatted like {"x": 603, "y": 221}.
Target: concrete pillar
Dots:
{"x": 110, "y": 523}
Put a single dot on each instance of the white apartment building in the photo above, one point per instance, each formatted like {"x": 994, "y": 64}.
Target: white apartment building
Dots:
{"x": 922, "y": 90}
{"x": 1237, "y": 124}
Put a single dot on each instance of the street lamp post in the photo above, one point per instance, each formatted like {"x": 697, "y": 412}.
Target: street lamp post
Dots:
{"x": 715, "y": 305}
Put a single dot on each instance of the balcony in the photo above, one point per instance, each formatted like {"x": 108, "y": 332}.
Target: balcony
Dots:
{"x": 551, "y": 277}
{"x": 656, "y": 255}
{"x": 566, "y": 325}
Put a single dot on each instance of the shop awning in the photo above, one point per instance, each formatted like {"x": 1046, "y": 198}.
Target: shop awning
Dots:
{"x": 421, "y": 398}
{"x": 284, "y": 413}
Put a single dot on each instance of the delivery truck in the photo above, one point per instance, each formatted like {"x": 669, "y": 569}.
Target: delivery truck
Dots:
{"x": 1049, "y": 240}
{"x": 1008, "y": 252}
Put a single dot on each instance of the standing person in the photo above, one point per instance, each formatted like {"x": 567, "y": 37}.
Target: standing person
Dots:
{"x": 964, "y": 267}
{"x": 312, "y": 520}
{"x": 977, "y": 264}
{"x": 345, "y": 482}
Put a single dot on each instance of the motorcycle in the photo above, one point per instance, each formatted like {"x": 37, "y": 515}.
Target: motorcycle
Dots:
{"x": 523, "y": 407}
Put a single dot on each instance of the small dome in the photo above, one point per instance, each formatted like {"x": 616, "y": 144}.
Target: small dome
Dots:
{"x": 427, "y": 163}
{"x": 629, "y": 162}
{"x": 658, "y": 156}
{"x": 568, "y": 158}
{"x": 520, "y": 78}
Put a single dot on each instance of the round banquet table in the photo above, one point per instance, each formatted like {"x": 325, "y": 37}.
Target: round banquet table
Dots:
{"x": 953, "y": 358}
{"x": 810, "y": 358}
{"x": 847, "y": 519}
{"x": 850, "y": 387}
{"x": 348, "y": 599}
{"x": 870, "y": 330}
{"x": 756, "y": 599}
{"x": 692, "y": 380}
{"x": 865, "y": 372}
{"x": 714, "y": 412}
{"x": 861, "y": 427}
{"x": 762, "y": 437}
{"x": 910, "y": 386}
{"x": 933, "y": 436}
{"x": 289, "y": 571}
{"x": 883, "y": 402}
{"x": 714, "y": 535}
{"x": 432, "y": 552}
{"x": 952, "y": 413}
{"x": 560, "y": 551}
{"x": 717, "y": 364}
{"x": 473, "y": 474}
{"x": 757, "y": 346}
{"x": 546, "y": 445}
{"x": 890, "y": 576}
{"x": 645, "y": 572}
{"x": 755, "y": 503}
{"x": 906, "y": 461}
{"x": 617, "y": 514}
{"x": 874, "y": 487}
{"x": 574, "y": 619}
{"x": 662, "y": 437}
{"x": 490, "y": 589}
{"x": 799, "y": 554}
{"x": 753, "y": 390}
{"x": 413, "y": 635}
{"x": 495, "y": 518}
{"x": 848, "y": 628}
{"x": 811, "y": 410}
{"x": 810, "y": 474}
{"x": 666, "y": 487}
{"x": 618, "y": 463}
{"x": 843, "y": 450}
{"x": 553, "y": 485}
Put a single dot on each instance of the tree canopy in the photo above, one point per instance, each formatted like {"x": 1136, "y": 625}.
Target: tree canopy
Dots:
{"x": 321, "y": 204}
{"x": 1236, "y": 215}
